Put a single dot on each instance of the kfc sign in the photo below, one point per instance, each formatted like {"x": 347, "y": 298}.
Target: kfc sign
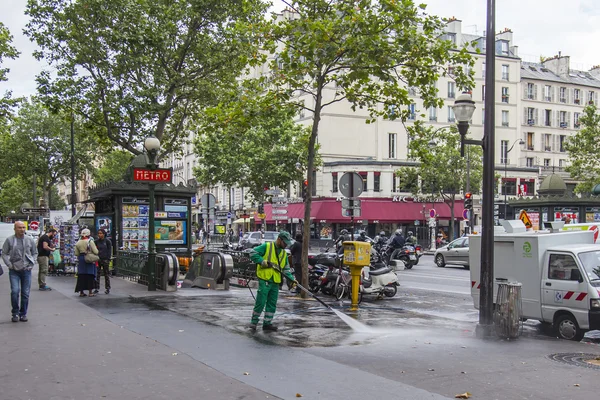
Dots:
{"x": 152, "y": 175}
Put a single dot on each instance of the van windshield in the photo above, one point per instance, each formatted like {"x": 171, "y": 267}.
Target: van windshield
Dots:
{"x": 591, "y": 264}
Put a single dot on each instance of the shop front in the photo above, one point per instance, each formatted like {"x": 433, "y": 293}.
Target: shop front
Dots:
{"x": 377, "y": 214}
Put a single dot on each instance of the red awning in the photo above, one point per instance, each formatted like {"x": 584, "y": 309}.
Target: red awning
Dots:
{"x": 381, "y": 210}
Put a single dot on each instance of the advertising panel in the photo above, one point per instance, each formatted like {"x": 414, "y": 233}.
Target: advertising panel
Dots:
{"x": 170, "y": 232}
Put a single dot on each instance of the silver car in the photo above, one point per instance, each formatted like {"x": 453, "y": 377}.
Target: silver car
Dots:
{"x": 253, "y": 239}
{"x": 454, "y": 253}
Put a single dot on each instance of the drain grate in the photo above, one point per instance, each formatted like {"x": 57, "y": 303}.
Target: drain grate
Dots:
{"x": 586, "y": 360}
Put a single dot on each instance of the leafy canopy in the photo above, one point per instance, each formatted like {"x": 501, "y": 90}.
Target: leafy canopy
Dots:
{"x": 112, "y": 167}
{"x": 584, "y": 151}
{"x": 135, "y": 68}
{"x": 39, "y": 143}
{"x": 441, "y": 169}
{"x": 7, "y": 51}
{"x": 250, "y": 141}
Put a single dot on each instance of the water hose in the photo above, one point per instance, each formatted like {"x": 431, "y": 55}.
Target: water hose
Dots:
{"x": 314, "y": 296}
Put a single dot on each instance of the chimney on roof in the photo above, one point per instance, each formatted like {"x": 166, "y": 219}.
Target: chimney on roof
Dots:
{"x": 559, "y": 64}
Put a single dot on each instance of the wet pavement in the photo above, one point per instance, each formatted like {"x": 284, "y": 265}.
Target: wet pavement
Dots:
{"x": 420, "y": 344}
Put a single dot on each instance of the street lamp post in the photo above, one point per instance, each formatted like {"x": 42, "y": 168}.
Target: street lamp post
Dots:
{"x": 521, "y": 142}
{"x": 464, "y": 107}
{"x": 152, "y": 145}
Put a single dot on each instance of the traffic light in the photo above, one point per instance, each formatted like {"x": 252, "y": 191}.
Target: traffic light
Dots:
{"x": 304, "y": 189}
{"x": 261, "y": 208}
{"x": 468, "y": 201}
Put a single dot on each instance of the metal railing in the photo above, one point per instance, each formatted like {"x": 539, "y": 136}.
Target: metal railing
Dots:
{"x": 243, "y": 267}
{"x": 132, "y": 265}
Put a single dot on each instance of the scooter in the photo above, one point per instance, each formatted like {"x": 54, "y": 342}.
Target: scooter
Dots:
{"x": 380, "y": 280}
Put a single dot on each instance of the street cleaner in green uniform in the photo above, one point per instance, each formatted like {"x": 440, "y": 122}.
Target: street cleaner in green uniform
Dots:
{"x": 271, "y": 261}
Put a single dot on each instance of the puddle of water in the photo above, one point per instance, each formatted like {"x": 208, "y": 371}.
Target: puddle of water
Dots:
{"x": 352, "y": 323}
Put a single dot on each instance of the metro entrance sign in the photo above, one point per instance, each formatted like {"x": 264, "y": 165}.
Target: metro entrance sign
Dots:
{"x": 160, "y": 175}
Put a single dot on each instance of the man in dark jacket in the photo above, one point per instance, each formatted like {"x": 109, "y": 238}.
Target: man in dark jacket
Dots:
{"x": 104, "y": 246}
{"x": 296, "y": 251}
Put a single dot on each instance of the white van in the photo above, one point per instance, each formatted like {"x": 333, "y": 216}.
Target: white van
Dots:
{"x": 559, "y": 272}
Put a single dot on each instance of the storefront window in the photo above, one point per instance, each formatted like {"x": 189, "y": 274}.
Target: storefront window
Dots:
{"x": 376, "y": 181}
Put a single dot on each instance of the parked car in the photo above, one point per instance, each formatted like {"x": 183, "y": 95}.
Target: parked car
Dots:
{"x": 253, "y": 239}
{"x": 454, "y": 253}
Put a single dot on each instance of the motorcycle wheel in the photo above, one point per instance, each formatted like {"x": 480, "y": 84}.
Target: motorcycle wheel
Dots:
{"x": 408, "y": 265}
{"x": 417, "y": 262}
{"x": 390, "y": 290}
{"x": 314, "y": 285}
{"x": 340, "y": 292}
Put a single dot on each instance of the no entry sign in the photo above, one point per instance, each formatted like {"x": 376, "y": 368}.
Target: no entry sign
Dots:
{"x": 34, "y": 225}
{"x": 152, "y": 175}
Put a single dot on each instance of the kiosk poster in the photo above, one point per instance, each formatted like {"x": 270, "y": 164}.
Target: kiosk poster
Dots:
{"x": 104, "y": 222}
{"x": 135, "y": 227}
{"x": 170, "y": 232}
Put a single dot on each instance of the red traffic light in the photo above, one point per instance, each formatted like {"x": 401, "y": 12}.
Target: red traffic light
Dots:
{"x": 305, "y": 182}
{"x": 468, "y": 195}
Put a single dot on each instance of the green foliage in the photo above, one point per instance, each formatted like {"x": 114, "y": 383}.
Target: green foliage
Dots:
{"x": 7, "y": 51}
{"x": 135, "y": 68}
{"x": 249, "y": 141}
{"x": 112, "y": 167}
{"x": 39, "y": 144}
{"x": 441, "y": 168}
{"x": 56, "y": 202}
{"x": 584, "y": 151}
{"x": 13, "y": 193}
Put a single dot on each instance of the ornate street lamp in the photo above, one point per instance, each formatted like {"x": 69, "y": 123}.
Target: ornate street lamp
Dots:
{"x": 152, "y": 146}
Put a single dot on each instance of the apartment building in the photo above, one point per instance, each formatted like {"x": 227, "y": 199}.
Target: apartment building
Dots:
{"x": 552, "y": 100}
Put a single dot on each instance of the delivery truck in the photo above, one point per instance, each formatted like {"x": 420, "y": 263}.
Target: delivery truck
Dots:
{"x": 559, "y": 272}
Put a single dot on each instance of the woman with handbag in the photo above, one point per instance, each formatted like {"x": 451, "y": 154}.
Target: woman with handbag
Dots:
{"x": 87, "y": 254}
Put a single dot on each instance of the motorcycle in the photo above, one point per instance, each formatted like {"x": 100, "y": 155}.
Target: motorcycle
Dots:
{"x": 406, "y": 254}
{"x": 419, "y": 251}
{"x": 315, "y": 273}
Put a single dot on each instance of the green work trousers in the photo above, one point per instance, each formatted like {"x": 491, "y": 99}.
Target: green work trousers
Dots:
{"x": 267, "y": 294}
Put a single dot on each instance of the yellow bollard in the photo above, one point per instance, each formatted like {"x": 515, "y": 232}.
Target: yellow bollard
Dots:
{"x": 355, "y": 272}
{"x": 356, "y": 255}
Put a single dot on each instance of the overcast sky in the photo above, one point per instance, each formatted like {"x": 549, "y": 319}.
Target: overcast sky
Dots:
{"x": 540, "y": 27}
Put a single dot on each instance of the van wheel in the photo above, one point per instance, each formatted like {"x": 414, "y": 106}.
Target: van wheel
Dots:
{"x": 439, "y": 261}
{"x": 568, "y": 329}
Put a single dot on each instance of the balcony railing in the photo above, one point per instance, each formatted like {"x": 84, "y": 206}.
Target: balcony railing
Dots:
{"x": 531, "y": 122}
{"x": 564, "y": 125}
{"x": 547, "y": 148}
{"x": 504, "y": 123}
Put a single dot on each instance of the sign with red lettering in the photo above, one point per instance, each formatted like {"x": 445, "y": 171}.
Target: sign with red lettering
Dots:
{"x": 152, "y": 175}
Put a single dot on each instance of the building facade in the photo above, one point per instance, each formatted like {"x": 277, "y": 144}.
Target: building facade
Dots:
{"x": 538, "y": 104}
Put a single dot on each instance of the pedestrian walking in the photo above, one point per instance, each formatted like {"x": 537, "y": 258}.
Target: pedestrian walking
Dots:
{"x": 19, "y": 253}
{"x": 86, "y": 271}
{"x": 272, "y": 262}
{"x": 104, "y": 246}
{"x": 296, "y": 251}
{"x": 45, "y": 247}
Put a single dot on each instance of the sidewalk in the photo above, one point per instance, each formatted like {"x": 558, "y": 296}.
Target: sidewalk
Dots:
{"x": 68, "y": 351}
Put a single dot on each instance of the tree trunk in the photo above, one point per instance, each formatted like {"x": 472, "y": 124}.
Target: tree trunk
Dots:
{"x": 309, "y": 178}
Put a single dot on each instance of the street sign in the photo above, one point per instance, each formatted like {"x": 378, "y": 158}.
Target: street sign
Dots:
{"x": 279, "y": 199}
{"x": 346, "y": 203}
{"x": 525, "y": 218}
{"x": 208, "y": 200}
{"x": 465, "y": 214}
{"x": 280, "y": 217}
{"x": 34, "y": 225}
{"x": 351, "y": 212}
{"x": 34, "y": 210}
{"x": 279, "y": 211}
{"x": 432, "y": 213}
{"x": 279, "y": 205}
{"x": 262, "y": 216}
{"x": 357, "y": 184}
{"x": 228, "y": 215}
{"x": 272, "y": 192}
{"x": 245, "y": 216}
{"x": 162, "y": 175}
